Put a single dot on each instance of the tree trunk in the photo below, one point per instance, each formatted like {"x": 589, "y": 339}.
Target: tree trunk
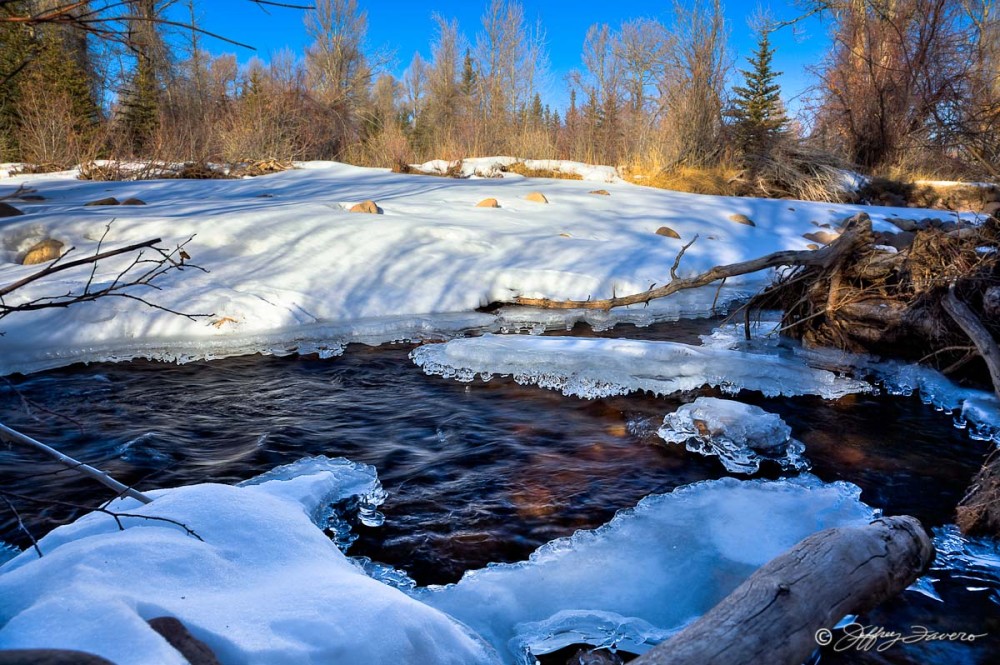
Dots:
{"x": 774, "y": 616}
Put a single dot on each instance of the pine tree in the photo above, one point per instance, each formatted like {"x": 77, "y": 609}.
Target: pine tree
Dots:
{"x": 758, "y": 115}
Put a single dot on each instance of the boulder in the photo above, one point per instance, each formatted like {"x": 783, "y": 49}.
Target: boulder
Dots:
{"x": 741, "y": 219}
{"x": 488, "y": 203}
{"x": 537, "y": 197}
{"x": 668, "y": 232}
{"x": 133, "y": 202}
{"x": 7, "y": 210}
{"x": 42, "y": 252}
{"x": 109, "y": 201}
{"x": 368, "y": 207}
{"x": 601, "y": 192}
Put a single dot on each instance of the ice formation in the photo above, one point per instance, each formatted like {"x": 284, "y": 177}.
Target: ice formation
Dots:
{"x": 593, "y": 368}
{"x": 264, "y": 586}
{"x": 649, "y": 571}
{"x": 741, "y": 435}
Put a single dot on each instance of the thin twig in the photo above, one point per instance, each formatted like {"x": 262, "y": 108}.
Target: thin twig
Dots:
{"x": 20, "y": 524}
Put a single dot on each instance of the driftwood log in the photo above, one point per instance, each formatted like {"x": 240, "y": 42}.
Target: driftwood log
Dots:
{"x": 774, "y": 616}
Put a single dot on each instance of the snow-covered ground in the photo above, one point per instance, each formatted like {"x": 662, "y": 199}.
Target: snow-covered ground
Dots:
{"x": 290, "y": 268}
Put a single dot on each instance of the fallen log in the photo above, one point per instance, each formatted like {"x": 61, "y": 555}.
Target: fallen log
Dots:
{"x": 775, "y": 615}
{"x": 857, "y": 232}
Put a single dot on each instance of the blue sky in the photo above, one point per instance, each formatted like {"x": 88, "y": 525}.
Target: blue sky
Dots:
{"x": 407, "y": 27}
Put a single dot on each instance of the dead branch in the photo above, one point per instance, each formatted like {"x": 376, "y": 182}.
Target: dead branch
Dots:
{"x": 976, "y": 331}
{"x": 857, "y": 231}
{"x": 113, "y": 514}
{"x": 141, "y": 272}
{"x": 96, "y": 474}
{"x": 21, "y": 190}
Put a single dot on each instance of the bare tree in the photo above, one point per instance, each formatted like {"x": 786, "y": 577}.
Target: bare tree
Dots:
{"x": 693, "y": 84}
{"x": 894, "y": 73}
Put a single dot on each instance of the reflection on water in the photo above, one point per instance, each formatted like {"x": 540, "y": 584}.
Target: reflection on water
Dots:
{"x": 475, "y": 473}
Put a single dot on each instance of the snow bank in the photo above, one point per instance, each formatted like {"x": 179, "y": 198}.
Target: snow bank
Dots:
{"x": 265, "y": 586}
{"x": 593, "y": 368}
{"x": 740, "y": 435}
{"x": 290, "y": 266}
{"x": 649, "y": 571}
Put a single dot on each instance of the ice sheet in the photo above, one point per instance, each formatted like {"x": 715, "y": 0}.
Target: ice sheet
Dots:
{"x": 649, "y": 571}
{"x": 593, "y": 368}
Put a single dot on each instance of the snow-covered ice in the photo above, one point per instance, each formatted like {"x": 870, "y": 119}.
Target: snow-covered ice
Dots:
{"x": 292, "y": 270}
{"x": 265, "y": 586}
{"x": 592, "y": 368}
{"x": 649, "y": 571}
{"x": 741, "y": 435}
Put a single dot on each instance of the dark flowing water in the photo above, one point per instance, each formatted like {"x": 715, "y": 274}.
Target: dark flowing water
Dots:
{"x": 476, "y": 473}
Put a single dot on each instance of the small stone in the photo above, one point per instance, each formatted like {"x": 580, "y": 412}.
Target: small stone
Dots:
{"x": 367, "y": 207}
{"x": 109, "y": 201}
{"x": 133, "y": 202}
{"x": 537, "y": 197}
{"x": 668, "y": 232}
{"x": 741, "y": 219}
{"x": 180, "y": 638}
{"x": 812, "y": 246}
{"x": 905, "y": 224}
{"x": 601, "y": 192}
{"x": 7, "y": 210}
{"x": 822, "y": 237}
{"x": 488, "y": 203}
{"x": 42, "y": 252}
{"x": 565, "y": 235}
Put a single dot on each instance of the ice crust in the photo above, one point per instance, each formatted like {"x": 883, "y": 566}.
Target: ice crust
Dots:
{"x": 740, "y": 435}
{"x": 265, "y": 586}
{"x": 975, "y": 410}
{"x": 593, "y": 368}
{"x": 649, "y": 571}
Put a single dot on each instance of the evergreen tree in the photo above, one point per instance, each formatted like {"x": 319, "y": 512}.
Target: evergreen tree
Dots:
{"x": 758, "y": 115}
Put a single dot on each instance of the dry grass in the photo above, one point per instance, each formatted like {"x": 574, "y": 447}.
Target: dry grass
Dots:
{"x": 718, "y": 180}
{"x": 522, "y": 169}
